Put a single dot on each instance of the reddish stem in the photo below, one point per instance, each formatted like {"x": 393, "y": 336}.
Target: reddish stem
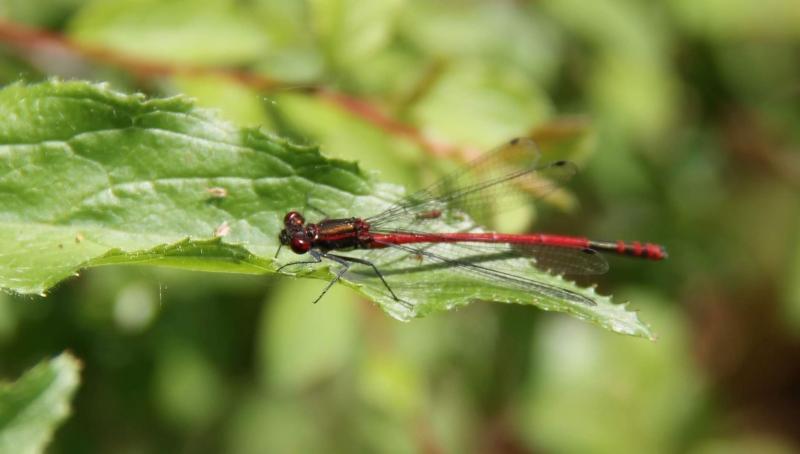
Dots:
{"x": 28, "y": 38}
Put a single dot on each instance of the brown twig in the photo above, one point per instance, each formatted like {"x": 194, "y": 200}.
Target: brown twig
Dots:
{"x": 36, "y": 39}
{"x": 28, "y": 38}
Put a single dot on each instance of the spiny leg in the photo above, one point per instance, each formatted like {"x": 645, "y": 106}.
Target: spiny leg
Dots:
{"x": 339, "y": 274}
{"x": 344, "y": 258}
{"x": 316, "y": 258}
{"x": 345, "y": 261}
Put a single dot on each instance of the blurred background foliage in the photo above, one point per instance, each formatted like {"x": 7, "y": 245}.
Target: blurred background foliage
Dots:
{"x": 682, "y": 114}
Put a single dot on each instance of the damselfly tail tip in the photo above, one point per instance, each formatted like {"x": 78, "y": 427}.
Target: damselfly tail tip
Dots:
{"x": 654, "y": 251}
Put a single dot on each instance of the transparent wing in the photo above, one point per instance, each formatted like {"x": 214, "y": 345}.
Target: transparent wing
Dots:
{"x": 488, "y": 183}
{"x": 553, "y": 259}
{"x": 495, "y": 268}
{"x": 560, "y": 260}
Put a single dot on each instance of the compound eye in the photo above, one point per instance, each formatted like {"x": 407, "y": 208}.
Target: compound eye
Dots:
{"x": 300, "y": 245}
{"x": 293, "y": 218}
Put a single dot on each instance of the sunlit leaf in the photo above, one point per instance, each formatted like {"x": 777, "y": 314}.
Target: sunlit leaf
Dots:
{"x": 184, "y": 31}
{"x": 93, "y": 177}
{"x": 32, "y": 407}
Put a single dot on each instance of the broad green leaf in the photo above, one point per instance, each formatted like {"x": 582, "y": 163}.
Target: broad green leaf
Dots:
{"x": 32, "y": 407}
{"x": 92, "y": 177}
{"x": 184, "y": 31}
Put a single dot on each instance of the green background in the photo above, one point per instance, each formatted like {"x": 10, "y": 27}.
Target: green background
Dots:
{"x": 683, "y": 117}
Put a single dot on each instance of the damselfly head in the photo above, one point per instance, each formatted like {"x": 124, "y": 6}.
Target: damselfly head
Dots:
{"x": 293, "y": 220}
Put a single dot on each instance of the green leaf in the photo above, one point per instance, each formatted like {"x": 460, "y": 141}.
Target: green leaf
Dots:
{"x": 478, "y": 104}
{"x": 92, "y": 177}
{"x": 209, "y": 32}
{"x": 662, "y": 380}
{"x": 38, "y": 12}
{"x": 302, "y": 345}
{"x": 353, "y": 31}
{"x": 738, "y": 20}
{"x": 506, "y": 34}
{"x": 33, "y": 406}
{"x": 236, "y": 102}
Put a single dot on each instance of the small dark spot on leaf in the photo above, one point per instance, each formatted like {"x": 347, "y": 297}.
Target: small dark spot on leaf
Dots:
{"x": 515, "y": 141}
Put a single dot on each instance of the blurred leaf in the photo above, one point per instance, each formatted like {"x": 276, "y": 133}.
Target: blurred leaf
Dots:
{"x": 93, "y": 177}
{"x": 294, "y": 54}
{"x": 14, "y": 68}
{"x": 390, "y": 385}
{"x": 346, "y": 137}
{"x": 635, "y": 95}
{"x": 762, "y": 443}
{"x": 451, "y": 416}
{"x": 8, "y": 319}
{"x": 477, "y": 104}
{"x": 504, "y": 34}
{"x": 589, "y": 384}
{"x": 792, "y": 287}
{"x": 279, "y": 425}
{"x": 620, "y": 28}
{"x": 38, "y": 12}
{"x": 35, "y": 405}
{"x": 188, "y": 390}
{"x": 303, "y": 344}
{"x": 208, "y": 32}
{"x": 235, "y": 102}
{"x": 737, "y": 19}
{"x": 631, "y": 81}
{"x": 763, "y": 75}
{"x": 352, "y": 30}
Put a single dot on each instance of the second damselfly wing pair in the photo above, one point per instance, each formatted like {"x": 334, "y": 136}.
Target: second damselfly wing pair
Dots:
{"x": 429, "y": 230}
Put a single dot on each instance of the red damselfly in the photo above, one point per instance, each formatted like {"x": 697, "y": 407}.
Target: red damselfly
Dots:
{"x": 413, "y": 226}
